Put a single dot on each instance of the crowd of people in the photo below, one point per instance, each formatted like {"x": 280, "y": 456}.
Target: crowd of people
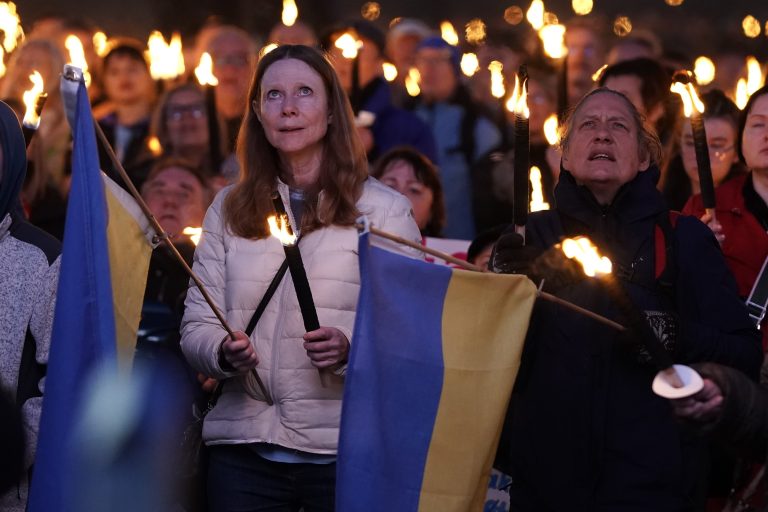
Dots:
{"x": 303, "y": 129}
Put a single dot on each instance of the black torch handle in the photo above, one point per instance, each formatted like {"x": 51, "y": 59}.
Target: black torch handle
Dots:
{"x": 521, "y": 179}
{"x": 702, "y": 161}
{"x": 301, "y": 285}
{"x": 214, "y": 133}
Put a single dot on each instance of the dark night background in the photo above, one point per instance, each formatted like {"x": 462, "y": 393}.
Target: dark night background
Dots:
{"x": 695, "y": 27}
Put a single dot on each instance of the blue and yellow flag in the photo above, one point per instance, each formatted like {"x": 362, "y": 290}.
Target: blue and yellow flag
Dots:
{"x": 104, "y": 263}
{"x": 434, "y": 356}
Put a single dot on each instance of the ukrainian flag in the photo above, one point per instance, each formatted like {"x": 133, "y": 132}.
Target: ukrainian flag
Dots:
{"x": 434, "y": 356}
{"x": 104, "y": 263}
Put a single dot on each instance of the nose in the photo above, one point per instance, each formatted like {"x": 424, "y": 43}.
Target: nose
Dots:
{"x": 289, "y": 106}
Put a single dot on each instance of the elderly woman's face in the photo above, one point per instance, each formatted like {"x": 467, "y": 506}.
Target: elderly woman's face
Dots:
{"x": 754, "y": 143}
{"x": 602, "y": 151}
{"x": 293, "y": 107}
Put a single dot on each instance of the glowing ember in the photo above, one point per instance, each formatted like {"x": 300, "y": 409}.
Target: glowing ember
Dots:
{"x": 348, "y": 44}
{"x": 518, "y": 103}
{"x": 582, "y": 7}
{"x": 513, "y": 15}
{"x": 674, "y": 3}
{"x": 281, "y": 230}
{"x": 194, "y": 234}
{"x": 448, "y": 33}
{"x": 390, "y": 71}
{"x": 474, "y": 31}
{"x": 371, "y": 11}
{"x": 412, "y": 82}
{"x": 622, "y": 26}
{"x": 690, "y": 98}
{"x": 154, "y": 146}
{"x": 585, "y": 252}
{"x": 204, "y": 70}
{"x": 268, "y": 48}
{"x": 751, "y": 26}
{"x": 553, "y": 38}
{"x": 754, "y": 75}
{"x": 77, "y": 56}
{"x": 290, "y": 13}
{"x": 550, "y": 130}
{"x": 704, "y": 69}
{"x": 497, "y": 79}
{"x": 30, "y": 98}
{"x": 10, "y": 24}
{"x": 597, "y": 75}
{"x": 469, "y": 64}
{"x": 535, "y": 14}
{"x": 741, "y": 94}
{"x": 537, "y": 194}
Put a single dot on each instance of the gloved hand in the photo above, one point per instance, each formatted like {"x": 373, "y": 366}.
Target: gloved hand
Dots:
{"x": 511, "y": 256}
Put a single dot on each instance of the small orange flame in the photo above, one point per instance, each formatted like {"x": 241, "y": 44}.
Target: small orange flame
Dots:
{"x": 448, "y": 33}
{"x": 267, "y": 48}
{"x": 10, "y": 24}
{"x": 518, "y": 103}
{"x": 166, "y": 60}
{"x": 742, "y": 96}
{"x": 469, "y": 64}
{"x": 204, "y": 70}
{"x": 77, "y": 56}
{"x": 704, "y": 69}
{"x": 597, "y": 75}
{"x": 754, "y": 75}
{"x": 537, "y": 192}
{"x": 585, "y": 252}
{"x": 30, "y": 98}
{"x": 154, "y": 146}
{"x": 101, "y": 44}
{"x": 497, "y": 79}
{"x": 348, "y": 44}
{"x": 535, "y": 14}
{"x": 553, "y": 39}
{"x": 290, "y": 13}
{"x": 582, "y": 7}
{"x": 550, "y": 130}
{"x": 390, "y": 71}
{"x": 194, "y": 234}
{"x": 690, "y": 99}
{"x": 2, "y": 62}
{"x": 412, "y": 82}
{"x": 281, "y": 229}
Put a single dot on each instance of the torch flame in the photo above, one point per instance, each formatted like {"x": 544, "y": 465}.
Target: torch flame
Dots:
{"x": 30, "y": 98}
{"x": 597, "y": 75}
{"x": 537, "y": 194}
{"x": 690, "y": 98}
{"x": 550, "y": 130}
{"x": 194, "y": 234}
{"x": 553, "y": 38}
{"x": 741, "y": 94}
{"x": 497, "y": 79}
{"x": 204, "y": 70}
{"x": 268, "y": 48}
{"x": 100, "y": 44}
{"x": 754, "y": 75}
{"x": 412, "y": 82}
{"x": 154, "y": 146}
{"x": 2, "y": 62}
{"x": 448, "y": 33}
{"x": 290, "y": 12}
{"x": 281, "y": 230}
{"x": 348, "y": 44}
{"x": 10, "y": 24}
{"x": 535, "y": 14}
{"x": 704, "y": 69}
{"x": 585, "y": 252}
{"x": 77, "y": 56}
{"x": 390, "y": 71}
{"x": 581, "y": 7}
{"x": 469, "y": 64}
{"x": 166, "y": 60}
{"x": 518, "y": 103}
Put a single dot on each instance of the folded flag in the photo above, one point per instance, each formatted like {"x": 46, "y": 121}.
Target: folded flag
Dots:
{"x": 434, "y": 357}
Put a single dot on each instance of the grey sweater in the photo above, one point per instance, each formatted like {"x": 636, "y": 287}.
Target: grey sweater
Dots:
{"x": 29, "y": 272}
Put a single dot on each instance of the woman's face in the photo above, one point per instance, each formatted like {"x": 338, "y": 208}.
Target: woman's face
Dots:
{"x": 401, "y": 177}
{"x": 126, "y": 80}
{"x": 603, "y": 152}
{"x": 186, "y": 120}
{"x": 754, "y": 143}
{"x": 721, "y": 139}
{"x": 293, "y": 108}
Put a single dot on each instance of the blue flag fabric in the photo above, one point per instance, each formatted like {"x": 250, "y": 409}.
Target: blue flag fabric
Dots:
{"x": 84, "y": 323}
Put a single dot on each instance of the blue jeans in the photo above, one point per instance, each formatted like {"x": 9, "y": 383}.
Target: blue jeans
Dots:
{"x": 239, "y": 480}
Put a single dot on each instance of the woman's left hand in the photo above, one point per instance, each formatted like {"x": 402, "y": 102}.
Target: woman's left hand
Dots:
{"x": 326, "y": 347}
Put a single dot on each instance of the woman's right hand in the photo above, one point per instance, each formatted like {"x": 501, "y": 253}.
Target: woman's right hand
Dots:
{"x": 715, "y": 226}
{"x": 239, "y": 352}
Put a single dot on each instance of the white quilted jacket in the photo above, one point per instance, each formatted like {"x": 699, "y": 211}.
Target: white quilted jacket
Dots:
{"x": 236, "y": 273}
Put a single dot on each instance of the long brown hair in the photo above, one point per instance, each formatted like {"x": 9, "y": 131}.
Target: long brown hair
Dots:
{"x": 343, "y": 169}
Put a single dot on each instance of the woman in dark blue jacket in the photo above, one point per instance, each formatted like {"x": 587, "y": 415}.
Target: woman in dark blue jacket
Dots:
{"x": 585, "y": 432}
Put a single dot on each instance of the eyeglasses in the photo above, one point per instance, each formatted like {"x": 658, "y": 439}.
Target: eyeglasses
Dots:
{"x": 177, "y": 112}
{"x": 715, "y": 153}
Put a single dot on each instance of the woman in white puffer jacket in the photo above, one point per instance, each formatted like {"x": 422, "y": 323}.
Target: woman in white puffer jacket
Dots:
{"x": 297, "y": 140}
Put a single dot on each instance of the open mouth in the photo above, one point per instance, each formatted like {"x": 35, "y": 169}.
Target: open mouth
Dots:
{"x": 602, "y": 155}
{"x": 290, "y": 130}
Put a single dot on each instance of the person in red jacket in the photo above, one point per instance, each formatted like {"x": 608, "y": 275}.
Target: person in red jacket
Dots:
{"x": 741, "y": 212}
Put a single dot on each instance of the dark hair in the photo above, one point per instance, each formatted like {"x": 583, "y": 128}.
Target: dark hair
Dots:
{"x": 484, "y": 239}
{"x": 159, "y": 125}
{"x": 427, "y": 174}
{"x": 343, "y": 170}
{"x": 654, "y": 81}
{"x": 743, "y": 119}
{"x": 127, "y": 48}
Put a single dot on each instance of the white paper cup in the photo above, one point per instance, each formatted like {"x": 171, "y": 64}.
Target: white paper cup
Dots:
{"x": 693, "y": 383}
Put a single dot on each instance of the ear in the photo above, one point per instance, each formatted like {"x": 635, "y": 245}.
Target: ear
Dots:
{"x": 564, "y": 160}
{"x": 255, "y": 107}
{"x": 645, "y": 161}
{"x": 330, "y": 118}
